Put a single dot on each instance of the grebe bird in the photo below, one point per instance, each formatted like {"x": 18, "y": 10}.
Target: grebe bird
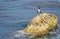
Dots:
{"x": 38, "y": 11}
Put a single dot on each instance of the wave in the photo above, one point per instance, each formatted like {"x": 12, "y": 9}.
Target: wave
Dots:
{"x": 21, "y": 35}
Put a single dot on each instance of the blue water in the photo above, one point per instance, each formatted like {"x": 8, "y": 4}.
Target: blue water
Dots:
{"x": 15, "y": 14}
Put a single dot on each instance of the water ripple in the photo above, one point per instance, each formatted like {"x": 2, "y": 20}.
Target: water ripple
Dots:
{"x": 49, "y": 4}
{"x": 8, "y": 0}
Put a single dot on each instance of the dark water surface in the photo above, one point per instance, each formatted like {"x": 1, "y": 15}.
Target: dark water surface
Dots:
{"x": 15, "y": 14}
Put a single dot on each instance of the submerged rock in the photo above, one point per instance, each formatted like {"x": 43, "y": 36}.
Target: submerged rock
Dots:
{"x": 41, "y": 24}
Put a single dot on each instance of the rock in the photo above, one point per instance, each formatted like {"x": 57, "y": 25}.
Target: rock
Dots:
{"x": 41, "y": 24}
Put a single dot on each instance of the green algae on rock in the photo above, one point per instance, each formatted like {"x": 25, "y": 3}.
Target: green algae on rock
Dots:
{"x": 41, "y": 24}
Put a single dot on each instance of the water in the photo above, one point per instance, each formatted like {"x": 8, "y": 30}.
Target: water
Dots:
{"x": 15, "y": 15}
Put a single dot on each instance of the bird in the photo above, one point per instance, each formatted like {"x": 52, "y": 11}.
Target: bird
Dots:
{"x": 38, "y": 10}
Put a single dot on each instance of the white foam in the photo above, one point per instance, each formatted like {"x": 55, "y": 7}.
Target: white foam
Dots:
{"x": 21, "y": 34}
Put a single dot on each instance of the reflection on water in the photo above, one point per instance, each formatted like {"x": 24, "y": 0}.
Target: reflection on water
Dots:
{"x": 15, "y": 14}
